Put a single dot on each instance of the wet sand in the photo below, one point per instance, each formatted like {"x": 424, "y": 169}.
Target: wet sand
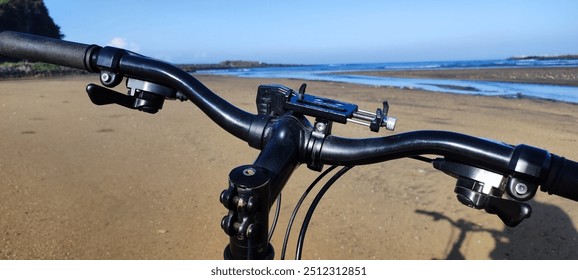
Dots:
{"x": 78, "y": 181}
{"x": 565, "y": 76}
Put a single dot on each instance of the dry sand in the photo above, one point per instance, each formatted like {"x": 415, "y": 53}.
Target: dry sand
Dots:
{"x": 78, "y": 181}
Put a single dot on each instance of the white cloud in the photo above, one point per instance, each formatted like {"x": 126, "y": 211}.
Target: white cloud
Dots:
{"x": 119, "y": 42}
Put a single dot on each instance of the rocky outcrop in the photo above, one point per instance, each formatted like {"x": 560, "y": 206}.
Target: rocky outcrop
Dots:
{"x": 545, "y": 57}
{"x": 11, "y": 70}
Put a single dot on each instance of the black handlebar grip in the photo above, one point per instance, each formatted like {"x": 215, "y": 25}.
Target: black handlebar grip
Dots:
{"x": 49, "y": 50}
{"x": 562, "y": 179}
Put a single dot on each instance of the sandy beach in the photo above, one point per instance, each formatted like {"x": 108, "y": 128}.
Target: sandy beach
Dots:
{"x": 78, "y": 181}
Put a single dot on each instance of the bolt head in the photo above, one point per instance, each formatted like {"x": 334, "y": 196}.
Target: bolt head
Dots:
{"x": 105, "y": 77}
{"x": 521, "y": 188}
{"x": 249, "y": 171}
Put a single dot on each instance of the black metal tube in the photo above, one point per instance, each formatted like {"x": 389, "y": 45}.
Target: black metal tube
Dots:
{"x": 281, "y": 153}
{"x": 248, "y": 236}
{"x": 226, "y": 115}
{"x": 344, "y": 151}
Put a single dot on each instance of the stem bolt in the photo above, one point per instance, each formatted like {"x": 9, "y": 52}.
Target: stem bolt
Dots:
{"x": 249, "y": 171}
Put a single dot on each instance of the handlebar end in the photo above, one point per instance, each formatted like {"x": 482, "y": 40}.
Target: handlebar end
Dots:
{"x": 562, "y": 179}
{"x": 45, "y": 49}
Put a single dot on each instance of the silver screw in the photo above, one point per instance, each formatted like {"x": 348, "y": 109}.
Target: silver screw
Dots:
{"x": 320, "y": 126}
{"x": 521, "y": 188}
{"x": 249, "y": 171}
{"x": 105, "y": 77}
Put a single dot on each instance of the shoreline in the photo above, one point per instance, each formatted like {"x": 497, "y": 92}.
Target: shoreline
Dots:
{"x": 557, "y": 76}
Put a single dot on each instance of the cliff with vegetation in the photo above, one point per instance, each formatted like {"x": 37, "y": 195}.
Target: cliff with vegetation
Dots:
{"x": 30, "y": 16}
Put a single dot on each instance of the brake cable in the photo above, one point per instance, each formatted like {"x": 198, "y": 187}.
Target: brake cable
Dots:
{"x": 316, "y": 201}
{"x": 298, "y": 205}
{"x": 275, "y": 217}
{"x": 311, "y": 186}
{"x": 312, "y": 207}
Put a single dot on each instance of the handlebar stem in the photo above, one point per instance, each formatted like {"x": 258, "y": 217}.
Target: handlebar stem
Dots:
{"x": 284, "y": 140}
{"x": 254, "y": 188}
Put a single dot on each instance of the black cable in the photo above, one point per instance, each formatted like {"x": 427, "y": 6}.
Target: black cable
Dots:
{"x": 321, "y": 192}
{"x": 314, "y": 204}
{"x": 275, "y": 218}
{"x": 422, "y": 158}
{"x": 298, "y": 205}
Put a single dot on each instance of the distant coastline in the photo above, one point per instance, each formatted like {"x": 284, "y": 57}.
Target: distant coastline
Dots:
{"x": 545, "y": 57}
{"x": 23, "y": 69}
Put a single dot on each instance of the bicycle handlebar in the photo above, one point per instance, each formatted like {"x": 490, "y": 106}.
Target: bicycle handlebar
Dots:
{"x": 348, "y": 151}
{"x": 555, "y": 174}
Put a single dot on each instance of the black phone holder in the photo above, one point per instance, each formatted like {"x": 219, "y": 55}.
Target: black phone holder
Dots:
{"x": 276, "y": 100}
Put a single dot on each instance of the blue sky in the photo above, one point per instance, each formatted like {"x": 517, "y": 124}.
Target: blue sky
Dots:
{"x": 336, "y": 31}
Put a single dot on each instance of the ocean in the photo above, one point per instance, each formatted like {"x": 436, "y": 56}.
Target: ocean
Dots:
{"x": 341, "y": 73}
